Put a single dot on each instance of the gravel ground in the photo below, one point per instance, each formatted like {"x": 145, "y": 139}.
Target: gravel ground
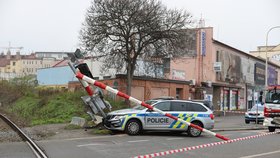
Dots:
{"x": 7, "y": 134}
{"x": 40, "y": 132}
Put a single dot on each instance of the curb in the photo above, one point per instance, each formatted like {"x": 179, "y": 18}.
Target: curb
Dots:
{"x": 239, "y": 129}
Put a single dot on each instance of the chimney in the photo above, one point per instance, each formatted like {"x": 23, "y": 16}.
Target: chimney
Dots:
{"x": 8, "y": 55}
{"x": 18, "y": 56}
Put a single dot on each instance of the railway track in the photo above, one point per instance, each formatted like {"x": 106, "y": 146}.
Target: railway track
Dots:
{"x": 34, "y": 147}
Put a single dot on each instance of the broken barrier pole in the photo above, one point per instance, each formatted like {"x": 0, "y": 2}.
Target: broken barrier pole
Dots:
{"x": 88, "y": 90}
{"x": 83, "y": 77}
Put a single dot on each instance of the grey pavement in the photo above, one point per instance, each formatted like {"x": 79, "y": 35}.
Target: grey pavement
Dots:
{"x": 235, "y": 122}
{"x": 222, "y": 123}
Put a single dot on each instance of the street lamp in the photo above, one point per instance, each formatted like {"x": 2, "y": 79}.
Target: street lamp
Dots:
{"x": 266, "y": 75}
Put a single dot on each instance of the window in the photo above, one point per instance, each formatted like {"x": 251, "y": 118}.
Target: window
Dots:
{"x": 195, "y": 107}
{"x": 14, "y": 63}
{"x": 179, "y": 106}
{"x": 164, "y": 106}
{"x": 217, "y": 56}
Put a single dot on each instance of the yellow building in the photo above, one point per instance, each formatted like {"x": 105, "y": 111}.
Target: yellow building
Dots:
{"x": 273, "y": 53}
{"x": 12, "y": 66}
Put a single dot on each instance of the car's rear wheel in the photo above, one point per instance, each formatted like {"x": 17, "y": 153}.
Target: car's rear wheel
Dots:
{"x": 133, "y": 127}
{"x": 247, "y": 122}
{"x": 193, "y": 132}
{"x": 271, "y": 129}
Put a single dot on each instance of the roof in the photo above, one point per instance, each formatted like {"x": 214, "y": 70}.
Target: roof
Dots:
{"x": 61, "y": 63}
{"x": 64, "y": 62}
{"x": 153, "y": 79}
{"x": 244, "y": 53}
{"x": 4, "y": 62}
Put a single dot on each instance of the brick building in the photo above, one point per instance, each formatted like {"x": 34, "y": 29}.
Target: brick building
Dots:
{"x": 145, "y": 88}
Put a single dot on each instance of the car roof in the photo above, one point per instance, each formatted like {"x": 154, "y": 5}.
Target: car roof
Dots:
{"x": 164, "y": 98}
{"x": 174, "y": 100}
{"x": 200, "y": 100}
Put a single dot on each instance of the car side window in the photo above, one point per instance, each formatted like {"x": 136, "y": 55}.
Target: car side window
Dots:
{"x": 196, "y": 107}
{"x": 164, "y": 106}
{"x": 178, "y": 106}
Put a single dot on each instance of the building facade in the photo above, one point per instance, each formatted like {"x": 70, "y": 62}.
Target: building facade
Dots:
{"x": 271, "y": 52}
{"x": 209, "y": 69}
{"x": 18, "y": 65}
{"x": 225, "y": 75}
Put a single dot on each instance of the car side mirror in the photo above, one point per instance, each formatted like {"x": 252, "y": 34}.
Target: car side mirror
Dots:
{"x": 149, "y": 110}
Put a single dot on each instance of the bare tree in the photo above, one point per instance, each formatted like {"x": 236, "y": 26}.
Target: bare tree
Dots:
{"x": 123, "y": 31}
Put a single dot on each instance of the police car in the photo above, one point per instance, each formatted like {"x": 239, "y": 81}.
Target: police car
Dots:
{"x": 133, "y": 121}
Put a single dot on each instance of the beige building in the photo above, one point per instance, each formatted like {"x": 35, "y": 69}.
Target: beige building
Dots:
{"x": 12, "y": 66}
{"x": 273, "y": 53}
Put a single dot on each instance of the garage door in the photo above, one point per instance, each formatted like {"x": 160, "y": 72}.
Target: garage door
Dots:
{"x": 138, "y": 93}
{"x": 158, "y": 92}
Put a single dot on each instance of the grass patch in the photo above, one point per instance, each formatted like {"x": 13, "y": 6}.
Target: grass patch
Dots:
{"x": 41, "y": 105}
{"x": 56, "y": 108}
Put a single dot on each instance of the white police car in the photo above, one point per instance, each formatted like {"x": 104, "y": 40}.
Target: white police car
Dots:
{"x": 255, "y": 114}
{"x": 139, "y": 118}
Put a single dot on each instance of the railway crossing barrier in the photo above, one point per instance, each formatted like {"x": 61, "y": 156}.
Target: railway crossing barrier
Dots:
{"x": 89, "y": 80}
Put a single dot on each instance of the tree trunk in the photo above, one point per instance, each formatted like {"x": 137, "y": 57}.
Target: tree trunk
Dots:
{"x": 129, "y": 82}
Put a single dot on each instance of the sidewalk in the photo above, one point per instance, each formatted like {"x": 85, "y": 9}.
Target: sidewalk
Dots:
{"x": 236, "y": 122}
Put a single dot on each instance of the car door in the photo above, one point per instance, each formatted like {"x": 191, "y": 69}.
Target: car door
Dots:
{"x": 179, "y": 109}
{"x": 155, "y": 120}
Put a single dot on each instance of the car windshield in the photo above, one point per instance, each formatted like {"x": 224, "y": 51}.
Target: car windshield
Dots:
{"x": 140, "y": 107}
{"x": 260, "y": 108}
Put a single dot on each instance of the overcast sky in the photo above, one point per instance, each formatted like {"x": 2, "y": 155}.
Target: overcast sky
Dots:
{"x": 53, "y": 25}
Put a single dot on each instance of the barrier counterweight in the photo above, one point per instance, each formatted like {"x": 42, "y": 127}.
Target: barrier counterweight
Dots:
{"x": 87, "y": 88}
{"x": 79, "y": 75}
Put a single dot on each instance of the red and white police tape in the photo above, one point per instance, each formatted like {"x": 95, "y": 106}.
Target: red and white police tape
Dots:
{"x": 163, "y": 153}
{"x": 230, "y": 111}
{"x": 79, "y": 75}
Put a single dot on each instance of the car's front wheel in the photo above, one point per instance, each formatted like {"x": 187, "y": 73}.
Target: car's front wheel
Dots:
{"x": 247, "y": 122}
{"x": 133, "y": 127}
{"x": 193, "y": 132}
{"x": 271, "y": 129}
